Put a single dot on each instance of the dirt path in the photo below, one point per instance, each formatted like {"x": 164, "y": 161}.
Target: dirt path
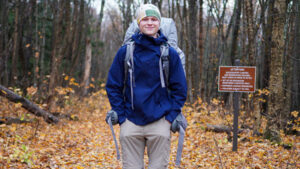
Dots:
{"x": 88, "y": 143}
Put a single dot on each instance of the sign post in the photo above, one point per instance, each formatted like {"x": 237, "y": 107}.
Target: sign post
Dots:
{"x": 236, "y": 79}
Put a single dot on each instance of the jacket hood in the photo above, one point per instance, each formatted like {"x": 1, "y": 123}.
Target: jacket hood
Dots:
{"x": 147, "y": 41}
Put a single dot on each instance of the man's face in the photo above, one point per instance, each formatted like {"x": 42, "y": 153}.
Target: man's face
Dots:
{"x": 149, "y": 26}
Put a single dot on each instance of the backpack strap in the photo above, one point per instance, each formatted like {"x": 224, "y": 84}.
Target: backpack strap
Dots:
{"x": 180, "y": 146}
{"x": 164, "y": 65}
{"x": 165, "y": 70}
{"x": 129, "y": 67}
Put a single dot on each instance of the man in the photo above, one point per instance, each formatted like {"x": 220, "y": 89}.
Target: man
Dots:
{"x": 146, "y": 109}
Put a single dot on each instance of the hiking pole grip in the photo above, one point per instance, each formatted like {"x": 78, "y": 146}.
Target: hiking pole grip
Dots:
{"x": 114, "y": 136}
{"x": 180, "y": 146}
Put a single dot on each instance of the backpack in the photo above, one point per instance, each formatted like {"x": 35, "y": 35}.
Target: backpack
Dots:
{"x": 167, "y": 27}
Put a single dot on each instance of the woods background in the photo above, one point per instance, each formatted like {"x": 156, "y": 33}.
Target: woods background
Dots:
{"x": 66, "y": 46}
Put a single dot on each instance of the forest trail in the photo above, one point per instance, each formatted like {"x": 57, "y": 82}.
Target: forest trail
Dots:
{"x": 86, "y": 141}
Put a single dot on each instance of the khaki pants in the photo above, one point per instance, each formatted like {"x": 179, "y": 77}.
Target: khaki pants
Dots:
{"x": 155, "y": 136}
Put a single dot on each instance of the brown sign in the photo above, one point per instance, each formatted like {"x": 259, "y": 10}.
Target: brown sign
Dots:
{"x": 237, "y": 79}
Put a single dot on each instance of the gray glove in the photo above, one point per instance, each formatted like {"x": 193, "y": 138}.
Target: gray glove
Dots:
{"x": 113, "y": 117}
{"x": 179, "y": 121}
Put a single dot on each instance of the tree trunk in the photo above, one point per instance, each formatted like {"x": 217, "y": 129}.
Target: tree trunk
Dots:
{"x": 3, "y": 41}
{"x": 77, "y": 38}
{"x": 36, "y": 70}
{"x": 42, "y": 86}
{"x": 16, "y": 40}
{"x": 295, "y": 95}
{"x": 158, "y": 3}
{"x": 87, "y": 68}
{"x": 26, "y": 31}
{"x": 250, "y": 31}
{"x": 56, "y": 59}
{"x": 276, "y": 97}
{"x": 201, "y": 47}
{"x": 68, "y": 35}
{"x": 207, "y": 52}
{"x": 257, "y": 115}
{"x": 187, "y": 52}
{"x": 126, "y": 13}
{"x": 235, "y": 31}
{"x": 173, "y": 9}
{"x": 183, "y": 21}
{"x": 31, "y": 107}
{"x": 101, "y": 18}
{"x": 260, "y": 67}
{"x": 99, "y": 49}
{"x": 193, "y": 59}
{"x": 267, "y": 33}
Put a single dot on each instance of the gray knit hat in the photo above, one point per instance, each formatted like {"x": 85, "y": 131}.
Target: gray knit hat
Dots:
{"x": 147, "y": 10}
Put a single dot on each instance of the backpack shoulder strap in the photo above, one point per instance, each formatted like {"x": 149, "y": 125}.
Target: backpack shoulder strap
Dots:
{"x": 129, "y": 67}
{"x": 127, "y": 60}
{"x": 164, "y": 65}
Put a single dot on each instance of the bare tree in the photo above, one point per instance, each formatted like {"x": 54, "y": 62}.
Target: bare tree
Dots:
{"x": 248, "y": 8}
{"x": 125, "y": 7}
{"x": 60, "y": 42}
{"x": 276, "y": 97}
{"x": 16, "y": 42}
{"x": 87, "y": 67}
{"x": 4, "y": 44}
{"x": 77, "y": 35}
{"x": 235, "y": 31}
{"x": 201, "y": 47}
{"x": 295, "y": 95}
{"x": 193, "y": 59}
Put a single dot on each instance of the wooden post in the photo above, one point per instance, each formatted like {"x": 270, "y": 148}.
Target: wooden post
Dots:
{"x": 236, "y": 108}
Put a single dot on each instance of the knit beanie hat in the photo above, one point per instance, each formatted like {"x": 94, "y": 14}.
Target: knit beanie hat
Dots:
{"x": 147, "y": 10}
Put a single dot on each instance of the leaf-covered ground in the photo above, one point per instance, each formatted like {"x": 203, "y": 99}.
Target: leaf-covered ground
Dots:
{"x": 86, "y": 141}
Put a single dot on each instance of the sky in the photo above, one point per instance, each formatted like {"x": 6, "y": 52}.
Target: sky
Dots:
{"x": 113, "y": 4}
{"x": 108, "y": 4}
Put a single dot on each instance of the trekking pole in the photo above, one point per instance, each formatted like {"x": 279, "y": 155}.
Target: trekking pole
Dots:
{"x": 180, "y": 146}
{"x": 114, "y": 136}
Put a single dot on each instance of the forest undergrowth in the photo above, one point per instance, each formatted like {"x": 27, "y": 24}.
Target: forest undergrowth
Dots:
{"x": 84, "y": 140}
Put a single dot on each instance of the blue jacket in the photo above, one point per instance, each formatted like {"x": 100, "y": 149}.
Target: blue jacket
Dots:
{"x": 151, "y": 102}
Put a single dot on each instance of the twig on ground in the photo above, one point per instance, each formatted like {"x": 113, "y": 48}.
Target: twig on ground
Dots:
{"x": 218, "y": 150}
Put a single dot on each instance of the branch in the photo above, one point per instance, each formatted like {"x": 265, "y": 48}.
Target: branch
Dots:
{"x": 28, "y": 105}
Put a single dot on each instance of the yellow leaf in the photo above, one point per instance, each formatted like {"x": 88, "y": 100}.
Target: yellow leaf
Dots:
{"x": 92, "y": 85}
{"x": 295, "y": 113}
{"x": 28, "y": 45}
{"x": 3, "y": 91}
{"x": 18, "y": 105}
{"x": 261, "y": 154}
{"x": 250, "y": 96}
{"x": 79, "y": 167}
{"x": 67, "y": 78}
{"x": 31, "y": 90}
{"x": 13, "y": 128}
{"x": 42, "y": 136}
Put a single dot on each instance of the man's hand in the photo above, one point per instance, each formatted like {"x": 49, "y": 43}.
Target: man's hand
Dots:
{"x": 113, "y": 117}
{"x": 179, "y": 121}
